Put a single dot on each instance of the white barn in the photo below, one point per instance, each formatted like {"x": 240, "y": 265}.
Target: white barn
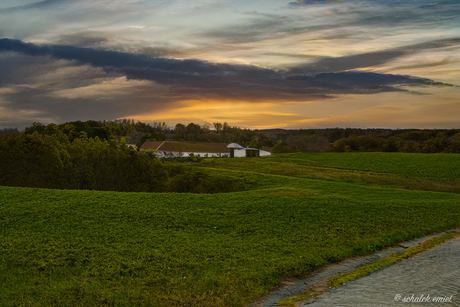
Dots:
{"x": 185, "y": 149}
{"x": 238, "y": 151}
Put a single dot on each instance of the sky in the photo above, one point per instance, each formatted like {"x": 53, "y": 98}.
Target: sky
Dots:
{"x": 253, "y": 64}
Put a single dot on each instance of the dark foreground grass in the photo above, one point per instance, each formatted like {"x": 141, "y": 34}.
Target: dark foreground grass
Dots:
{"x": 89, "y": 248}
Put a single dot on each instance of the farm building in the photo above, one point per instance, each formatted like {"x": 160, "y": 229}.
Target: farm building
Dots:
{"x": 238, "y": 151}
{"x": 184, "y": 149}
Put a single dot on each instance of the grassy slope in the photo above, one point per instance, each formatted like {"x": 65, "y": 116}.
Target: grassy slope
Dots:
{"x": 432, "y": 172}
{"x": 84, "y": 248}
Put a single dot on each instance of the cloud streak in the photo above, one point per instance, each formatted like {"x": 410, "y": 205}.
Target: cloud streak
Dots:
{"x": 36, "y": 5}
{"x": 370, "y": 59}
{"x": 201, "y": 78}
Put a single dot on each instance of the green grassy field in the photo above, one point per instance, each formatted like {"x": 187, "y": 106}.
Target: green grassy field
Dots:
{"x": 432, "y": 172}
{"x": 90, "y": 248}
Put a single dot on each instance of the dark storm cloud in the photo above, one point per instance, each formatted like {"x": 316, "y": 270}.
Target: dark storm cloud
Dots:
{"x": 365, "y": 80}
{"x": 371, "y": 58}
{"x": 204, "y": 79}
{"x": 35, "y": 5}
{"x": 36, "y": 89}
{"x": 60, "y": 109}
{"x": 20, "y": 71}
{"x": 151, "y": 68}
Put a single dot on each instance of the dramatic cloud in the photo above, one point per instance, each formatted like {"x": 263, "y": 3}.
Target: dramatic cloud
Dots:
{"x": 225, "y": 80}
{"x": 371, "y": 58}
{"x": 315, "y": 63}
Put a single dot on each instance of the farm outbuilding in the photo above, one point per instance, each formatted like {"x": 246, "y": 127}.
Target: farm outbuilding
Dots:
{"x": 238, "y": 151}
{"x": 203, "y": 149}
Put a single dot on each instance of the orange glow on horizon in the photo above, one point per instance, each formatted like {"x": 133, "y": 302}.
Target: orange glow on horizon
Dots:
{"x": 209, "y": 111}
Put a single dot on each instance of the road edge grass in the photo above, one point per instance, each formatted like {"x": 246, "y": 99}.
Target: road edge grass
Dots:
{"x": 338, "y": 280}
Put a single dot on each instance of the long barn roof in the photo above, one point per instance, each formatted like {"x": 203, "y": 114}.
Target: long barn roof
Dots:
{"x": 151, "y": 145}
{"x": 171, "y": 146}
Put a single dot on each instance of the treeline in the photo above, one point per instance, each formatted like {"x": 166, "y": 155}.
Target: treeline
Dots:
{"x": 120, "y": 130}
{"x": 222, "y": 133}
{"x": 104, "y": 130}
{"x": 367, "y": 140}
{"x": 9, "y": 131}
{"x": 425, "y": 141}
{"x": 58, "y": 161}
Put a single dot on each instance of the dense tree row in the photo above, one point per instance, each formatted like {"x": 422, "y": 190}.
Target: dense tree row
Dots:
{"x": 62, "y": 162}
{"x": 104, "y": 130}
{"x": 56, "y": 161}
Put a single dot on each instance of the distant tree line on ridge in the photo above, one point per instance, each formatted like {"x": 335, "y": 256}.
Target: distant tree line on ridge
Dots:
{"x": 367, "y": 140}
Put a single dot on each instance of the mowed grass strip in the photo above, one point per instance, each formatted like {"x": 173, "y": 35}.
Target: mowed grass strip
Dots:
{"x": 90, "y": 248}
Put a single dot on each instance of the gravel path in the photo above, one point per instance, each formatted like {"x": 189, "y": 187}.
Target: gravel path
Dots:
{"x": 435, "y": 273}
{"x": 371, "y": 286}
